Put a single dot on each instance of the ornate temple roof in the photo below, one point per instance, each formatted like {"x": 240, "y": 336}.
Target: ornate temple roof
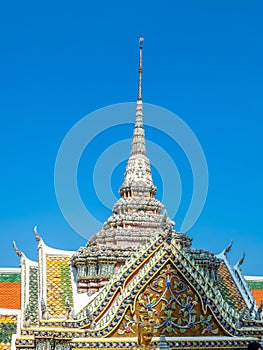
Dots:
{"x": 255, "y": 284}
{"x": 164, "y": 282}
{"x": 232, "y": 284}
{"x": 140, "y": 267}
{"x": 10, "y": 305}
{"x": 10, "y": 288}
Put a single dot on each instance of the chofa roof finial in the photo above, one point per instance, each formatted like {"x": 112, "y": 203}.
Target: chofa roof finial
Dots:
{"x": 36, "y": 234}
{"x": 18, "y": 251}
{"x": 241, "y": 261}
{"x": 228, "y": 248}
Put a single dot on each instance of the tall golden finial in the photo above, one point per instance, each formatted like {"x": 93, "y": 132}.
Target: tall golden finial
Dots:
{"x": 141, "y": 40}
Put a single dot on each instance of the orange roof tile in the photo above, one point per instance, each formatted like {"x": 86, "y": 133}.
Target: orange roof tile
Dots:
{"x": 258, "y": 295}
{"x": 10, "y": 295}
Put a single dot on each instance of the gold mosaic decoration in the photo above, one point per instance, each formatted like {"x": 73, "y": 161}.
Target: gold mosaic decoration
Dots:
{"x": 172, "y": 305}
{"x": 7, "y": 328}
{"x": 59, "y": 284}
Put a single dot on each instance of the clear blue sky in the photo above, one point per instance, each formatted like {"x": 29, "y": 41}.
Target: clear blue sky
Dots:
{"x": 61, "y": 60}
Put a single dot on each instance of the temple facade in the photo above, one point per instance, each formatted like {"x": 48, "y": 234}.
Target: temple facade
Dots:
{"x": 136, "y": 266}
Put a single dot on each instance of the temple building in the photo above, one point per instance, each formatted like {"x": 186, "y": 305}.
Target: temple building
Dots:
{"x": 136, "y": 267}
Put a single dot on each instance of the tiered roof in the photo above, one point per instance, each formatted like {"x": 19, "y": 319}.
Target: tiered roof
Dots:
{"x": 10, "y": 304}
{"x": 165, "y": 282}
{"x": 10, "y": 288}
{"x": 255, "y": 284}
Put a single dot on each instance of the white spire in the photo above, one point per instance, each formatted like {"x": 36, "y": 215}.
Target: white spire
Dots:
{"x": 138, "y": 141}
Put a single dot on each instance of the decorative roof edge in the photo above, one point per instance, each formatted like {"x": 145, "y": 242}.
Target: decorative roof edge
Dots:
{"x": 227, "y": 249}
{"x": 254, "y": 278}
{"x": 23, "y": 257}
{"x": 239, "y": 280}
{"x": 10, "y": 270}
{"x": 240, "y": 262}
{"x": 50, "y": 250}
{"x": 13, "y": 312}
{"x": 94, "y": 304}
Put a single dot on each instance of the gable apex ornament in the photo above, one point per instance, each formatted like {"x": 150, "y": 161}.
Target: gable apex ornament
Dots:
{"x": 18, "y": 251}
{"x": 228, "y": 248}
{"x": 240, "y": 262}
{"x": 38, "y": 238}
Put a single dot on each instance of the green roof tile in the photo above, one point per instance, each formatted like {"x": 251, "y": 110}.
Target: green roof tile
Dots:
{"x": 10, "y": 277}
{"x": 255, "y": 285}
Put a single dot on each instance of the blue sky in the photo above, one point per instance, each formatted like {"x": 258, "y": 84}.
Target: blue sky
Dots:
{"x": 63, "y": 60}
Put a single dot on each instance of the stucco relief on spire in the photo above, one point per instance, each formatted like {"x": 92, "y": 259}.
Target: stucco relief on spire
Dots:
{"x": 136, "y": 216}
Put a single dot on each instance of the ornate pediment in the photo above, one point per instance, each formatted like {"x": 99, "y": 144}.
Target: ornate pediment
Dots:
{"x": 165, "y": 283}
